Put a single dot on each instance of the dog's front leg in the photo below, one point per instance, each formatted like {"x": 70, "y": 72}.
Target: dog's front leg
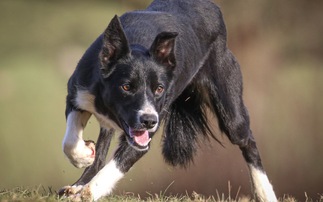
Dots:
{"x": 124, "y": 158}
{"x": 101, "y": 148}
{"x": 80, "y": 153}
{"x": 104, "y": 181}
{"x": 101, "y": 151}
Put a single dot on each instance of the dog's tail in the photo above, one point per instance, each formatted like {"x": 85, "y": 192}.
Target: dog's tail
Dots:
{"x": 186, "y": 120}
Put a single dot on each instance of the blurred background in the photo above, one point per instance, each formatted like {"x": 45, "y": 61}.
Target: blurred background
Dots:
{"x": 279, "y": 45}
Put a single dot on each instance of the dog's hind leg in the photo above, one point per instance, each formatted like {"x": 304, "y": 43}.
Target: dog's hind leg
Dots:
{"x": 80, "y": 153}
{"x": 225, "y": 93}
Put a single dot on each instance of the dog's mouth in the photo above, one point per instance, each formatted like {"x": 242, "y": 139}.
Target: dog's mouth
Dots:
{"x": 137, "y": 138}
{"x": 140, "y": 138}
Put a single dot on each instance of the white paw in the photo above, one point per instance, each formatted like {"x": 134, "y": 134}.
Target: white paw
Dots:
{"x": 76, "y": 193}
{"x": 82, "y": 154}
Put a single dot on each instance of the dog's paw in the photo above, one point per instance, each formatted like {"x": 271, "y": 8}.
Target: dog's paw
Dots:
{"x": 76, "y": 193}
{"x": 82, "y": 155}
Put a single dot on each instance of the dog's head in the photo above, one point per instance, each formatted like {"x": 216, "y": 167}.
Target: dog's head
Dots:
{"x": 135, "y": 81}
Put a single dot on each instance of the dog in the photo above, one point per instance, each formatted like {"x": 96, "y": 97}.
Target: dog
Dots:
{"x": 166, "y": 64}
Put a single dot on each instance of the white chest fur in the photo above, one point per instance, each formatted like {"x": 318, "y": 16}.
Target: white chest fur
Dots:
{"x": 85, "y": 101}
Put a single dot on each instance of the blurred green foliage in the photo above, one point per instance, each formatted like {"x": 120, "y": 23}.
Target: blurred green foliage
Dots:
{"x": 279, "y": 45}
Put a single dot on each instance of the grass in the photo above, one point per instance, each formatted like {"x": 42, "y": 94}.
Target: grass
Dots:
{"x": 47, "y": 194}
{"x": 42, "y": 193}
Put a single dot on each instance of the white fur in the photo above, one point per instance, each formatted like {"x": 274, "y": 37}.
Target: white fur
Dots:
{"x": 263, "y": 188}
{"x": 104, "y": 181}
{"x": 148, "y": 108}
{"x": 73, "y": 145}
{"x": 85, "y": 101}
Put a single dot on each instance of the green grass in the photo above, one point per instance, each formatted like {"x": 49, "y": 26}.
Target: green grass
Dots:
{"x": 47, "y": 194}
{"x": 41, "y": 193}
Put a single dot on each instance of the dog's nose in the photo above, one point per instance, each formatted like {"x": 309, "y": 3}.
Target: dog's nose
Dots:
{"x": 148, "y": 120}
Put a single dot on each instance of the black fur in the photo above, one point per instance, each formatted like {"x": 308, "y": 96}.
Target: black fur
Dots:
{"x": 201, "y": 72}
{"x": 178, "y": 46}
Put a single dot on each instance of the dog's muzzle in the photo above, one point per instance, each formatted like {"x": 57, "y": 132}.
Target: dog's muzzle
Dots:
{"x": 139, "y": 136}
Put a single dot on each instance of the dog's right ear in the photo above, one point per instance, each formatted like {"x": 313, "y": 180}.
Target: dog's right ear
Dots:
{"x": 115, "y": 44}
{"x": 162, "y": 49}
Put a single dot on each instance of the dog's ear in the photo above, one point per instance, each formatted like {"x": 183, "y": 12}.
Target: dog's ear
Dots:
{"x": 162, "y": 49}
{"x": 115, "y": 44}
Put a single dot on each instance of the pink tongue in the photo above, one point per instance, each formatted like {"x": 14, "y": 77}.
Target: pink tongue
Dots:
{"x": 141, "y": 137}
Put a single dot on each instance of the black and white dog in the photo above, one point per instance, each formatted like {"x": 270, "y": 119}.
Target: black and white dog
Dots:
{"x": 167, "y": 64}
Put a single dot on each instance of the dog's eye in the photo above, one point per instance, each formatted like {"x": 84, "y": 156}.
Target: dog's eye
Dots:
{"x": 159, "y": 90}
{"x": 126, "y": 87}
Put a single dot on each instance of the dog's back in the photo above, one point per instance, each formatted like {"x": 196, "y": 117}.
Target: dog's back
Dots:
{"x": 200, "y": 19}
{"x": 198, "y": 22}
{"x": 202, "y": 16}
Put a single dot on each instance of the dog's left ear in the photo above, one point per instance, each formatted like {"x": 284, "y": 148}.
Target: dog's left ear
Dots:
{"x": 162, "y": 49}
{"x": 115, "y": 44}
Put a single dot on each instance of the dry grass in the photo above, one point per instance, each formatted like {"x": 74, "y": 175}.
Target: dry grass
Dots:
{"x": 41, "y": 193}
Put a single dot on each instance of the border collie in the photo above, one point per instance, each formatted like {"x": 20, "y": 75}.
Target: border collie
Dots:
{"x": 167, "y": 64}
